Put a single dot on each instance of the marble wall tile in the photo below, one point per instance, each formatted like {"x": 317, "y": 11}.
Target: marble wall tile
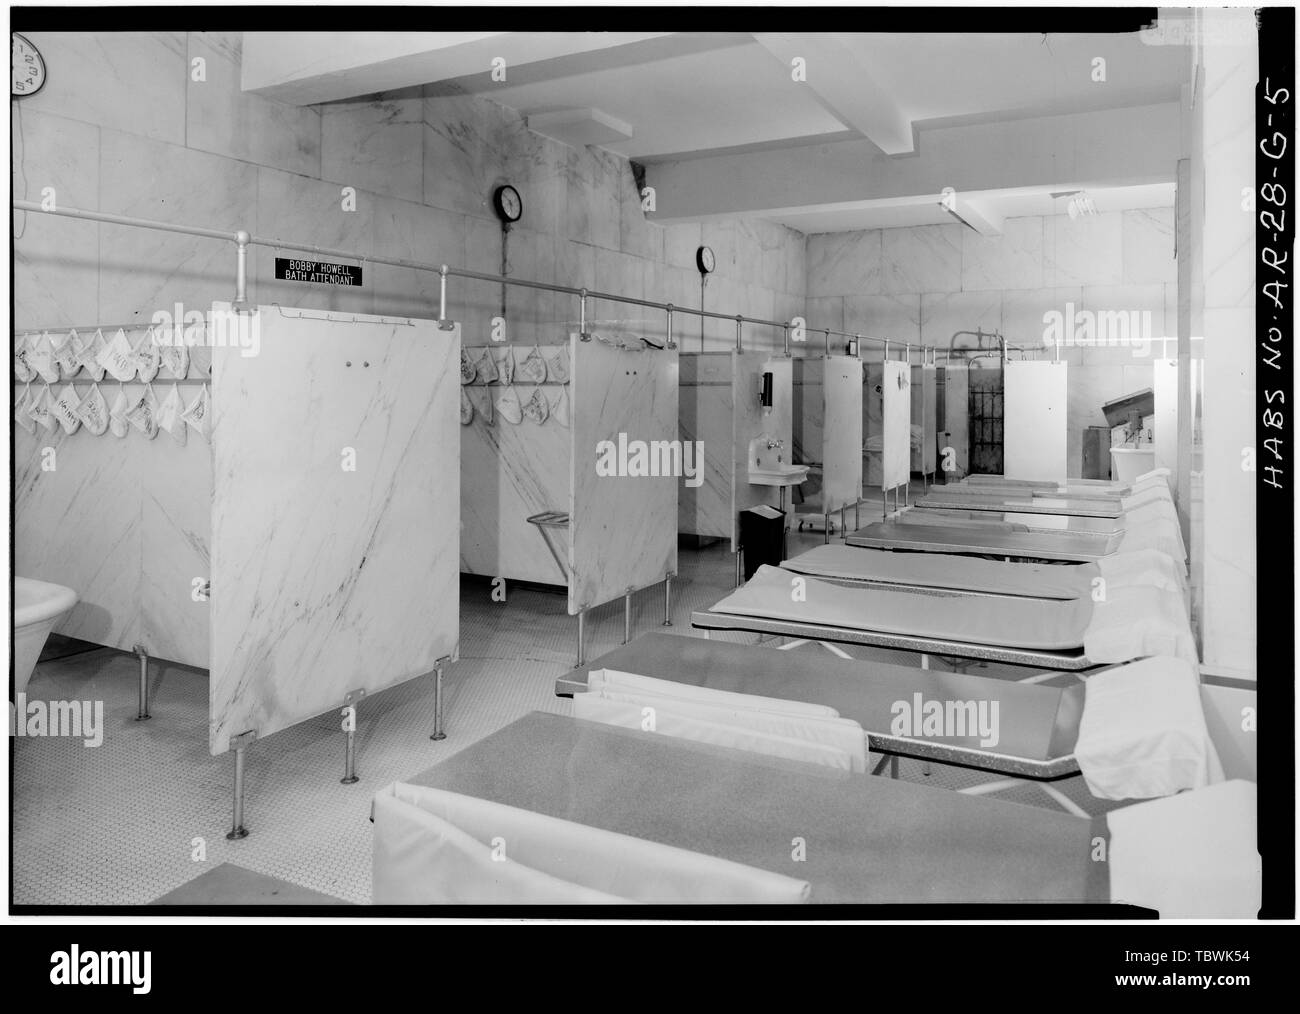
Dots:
{"x": 56, "y": 260}
{"x": 1013, "y": 260}
{"x": 796, "y": 262}
{"x": 944, "y": 313}
{"x": 638, "y": 235}
{"x": 825, "y": 311}
{"x": 1134, "y": 302}
{"x": 681, "y": 242}
{"x": 845, "y": 263}
{"x": 895, "y": 317}
{"x": 720, "y": 236}
{"x": 294, "y": 630}
{"x": 418, "y": 233}
{"x": 774, "y": 262}
{"x": 374, "y": 146}
{"x": 462, "y": 164}
{"x": 223, "y": 120}
{"x": 142, "y": 270}
{"x": 310, "y": 211}
{"x": 633, "y": 393}
{"x": 924, "y": 259}
{"x": 1149, "y": 246}
{"x": 1087, "y": 250}
{"x": 1024, "y": 310}
{"x": 594, "y": 198}
{"x": 127, "y": 81}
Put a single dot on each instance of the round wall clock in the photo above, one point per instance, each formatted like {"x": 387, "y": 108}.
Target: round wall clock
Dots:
{"x": 28, "y": 69}
{"x": 704, "y": 260}
{"x": 509, "y": 205}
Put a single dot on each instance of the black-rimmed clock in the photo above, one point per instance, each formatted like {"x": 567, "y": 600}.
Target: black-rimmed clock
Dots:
{"x": 508, "y": 204}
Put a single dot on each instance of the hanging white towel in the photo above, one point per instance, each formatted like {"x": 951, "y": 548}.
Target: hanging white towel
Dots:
{"x": 40, "y": 357}
{"x": 198, "y": 416}
{"x": 143, "y": 415}
{"x": 22, "y": 368}
{"x": 21, "y": 404}
{"x": 65, "y": 348}
{"x": 118, "y": 358}
{"x": 118, "y": 423}
{"x": 440, "y": 848}
{"x": 466, "y": 408}
{"x": 560, "y": 407}
{"x": 537, "y": 408}
{"x": 487, "y": 367}
{"x": 557, "y": 366}
{"x": 148, "y": 357}
{"x": 171, "y": 416}
{"x": 505, "y": 366}
{"x": 468, "y": 369}
{"x": 533, "y": 368}
{"x": 93, "y": 411}
{"x": 65, "y": 409}
{"x": 88, "y": 355}
{"x": 509, "y": 407}
{"x": 1143, "y": 734}
{"x": 1189, "y": 856}
{"x": 40, "y": 408}
{"x": 175, "y": 357}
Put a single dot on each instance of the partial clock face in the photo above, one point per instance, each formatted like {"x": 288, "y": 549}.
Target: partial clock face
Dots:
{"x": 704, "y": 260}
{"x": 509, "y": 205}
{"x": 27, "y": 66}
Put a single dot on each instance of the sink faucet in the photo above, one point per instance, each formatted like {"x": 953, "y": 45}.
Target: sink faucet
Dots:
{"x": 771, "y": 443}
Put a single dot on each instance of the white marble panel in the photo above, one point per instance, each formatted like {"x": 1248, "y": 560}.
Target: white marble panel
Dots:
{"x": 176, "y": 529}
{"x": 925, "y": 258}
{"x": 945, "y": 313}
{"x": 223, "y": 119}
{"x": 825, "y": 311}
{"x": 841, "y": 454}
{"x": 417, "y": 233}
{"x": 55, "y": 271}
{"x": 845, "y": 263}
{"x": 896, "y": 414}
{"x": 509, "y": 472}
{"x": 624, "y": 527}
{"x": 302, "y": 210}
{"x": 1086, "y": 250}
{"x": 1025, "y": 313}
{"x": 1034, "y": 419}
{"x": 128, "y": 81}
{"x": 142, "y": 271}
{"x": 681, "y": 242}
{"x": 374, "y": 145}
{"x": 925, "y": 408}
{"x": 720, "y": 236}
{"x": 895, "y": 317}
{"x": 1149, "y": 246}
{"x": 1013, "y": 260}
{"x": 705, "y": 414}
{"x": 78, "y": 525}
{"x": 752, "y": 421}
{"x": 1114, "y": 310}
{"x": 327, "y": 578}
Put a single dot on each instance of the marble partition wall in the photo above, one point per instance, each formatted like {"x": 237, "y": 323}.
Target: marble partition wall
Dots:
{"x": 623, "y": 527}
{"x": 1034, "y": 420}
{"x": 752, "y": 420}
{"x": 896, "y": 415}
{"x": 705, "y": 404}
{"x": 510, "y": 472}
{"x": 924, "y": 414}
{"x": 842, "y": 432}
{"x": 125, "y": 522}
{"x": 335, "y": 515}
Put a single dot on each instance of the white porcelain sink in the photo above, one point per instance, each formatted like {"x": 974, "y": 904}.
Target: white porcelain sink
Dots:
{"x": 767, "y": 466}
{"x": 1130, "y": 462}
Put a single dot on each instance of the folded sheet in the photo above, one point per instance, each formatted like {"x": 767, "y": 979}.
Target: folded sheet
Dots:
{"x": 1143, "y": 567}
{"x": 1037, "y": 624}
{"x": 1156, "y": 475}
{"x": 1158, "y": 534}
{"x": 831, "y": 742}
{"x": 1189, "y": 856}
{"x": 1137, "y": 622}
{"x": 1143, "y": 733}
{"x": 439, "y": 848}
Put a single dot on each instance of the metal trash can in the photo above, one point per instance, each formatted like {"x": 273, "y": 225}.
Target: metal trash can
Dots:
{"x": 762, "y": 538}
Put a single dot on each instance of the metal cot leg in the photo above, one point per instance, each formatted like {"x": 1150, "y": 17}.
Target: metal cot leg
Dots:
{"x": 142, "y": 708}
{"x": 239, "y": 744}
{"x": 668, "y": 601}
{"x": 627, "y": 617}
{"x": 582, "y": 638}
{"x": 437, "y": 706}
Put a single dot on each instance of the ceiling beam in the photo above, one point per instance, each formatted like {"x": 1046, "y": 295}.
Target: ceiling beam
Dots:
{"x": 843, "y": 85}
{"x": 305, "y": 68}
{"x": 1116, "y": 147}
{"x": 979, "y": 215}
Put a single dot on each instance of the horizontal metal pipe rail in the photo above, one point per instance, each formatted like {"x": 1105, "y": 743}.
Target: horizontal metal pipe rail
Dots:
{"x": 243, "y": 240}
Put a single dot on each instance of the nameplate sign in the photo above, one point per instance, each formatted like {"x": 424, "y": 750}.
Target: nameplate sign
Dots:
{"x": 320, "y": 272}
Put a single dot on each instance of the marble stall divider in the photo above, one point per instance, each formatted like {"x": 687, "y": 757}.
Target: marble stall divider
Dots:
{"x": 896, "y": 428}
{"x": 925, "y": 413}
{"x": 841, "y": 432}
{"x": 720, "y": 407}
{"x": 335, "y": 515}
{"x": 1034, "y": 419}
{"x": 623, "y": 528}
{"x": 956, "y": 418}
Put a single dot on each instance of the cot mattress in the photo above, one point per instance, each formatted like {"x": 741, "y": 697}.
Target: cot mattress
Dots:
{"x": 1037, "y": 624}
{"x": 983, "y": 541}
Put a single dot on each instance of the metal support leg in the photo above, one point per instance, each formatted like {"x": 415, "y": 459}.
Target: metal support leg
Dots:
{"x": 857, "y": 515}
{"x": 668, "y": 601}
{"x": 582, "y": 638}
{"x": 739, "y": 554}
{"x": 239, "y": 744}
{"x": 437, "y": 706}
{"x": 350, "y": 703}
{"x": 826, "y": 521}
{"x": 627, "y": 617}
{"x": 142, "y": 708}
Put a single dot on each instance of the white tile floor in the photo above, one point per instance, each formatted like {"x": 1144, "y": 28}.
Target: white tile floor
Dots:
{"x": 122, "y": 823}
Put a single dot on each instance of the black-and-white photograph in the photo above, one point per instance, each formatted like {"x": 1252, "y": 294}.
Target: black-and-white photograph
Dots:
{"x": 762, "y": 469}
